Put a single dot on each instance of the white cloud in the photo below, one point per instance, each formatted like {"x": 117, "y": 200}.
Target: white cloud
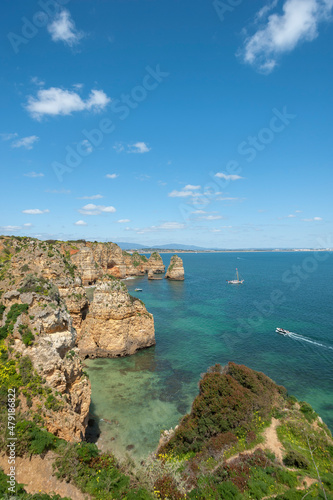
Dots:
{"x": 55, "y": 101}
{"x": 283, "y": 32}
{"x": 138, "y": 147}
{"x": 27, "y": 224}
{"x": 80, "y": 223}
{"x": 262, "y": 13}
{"x": 33, "y": 174}
{"x": 8, "y": 137}
{"x": 112, "y": 176}
{"x": 198, "y": 212}
{"x": 221, "y": 198}
{"x": 216, "y": 230}
{"x": 181, "y": 194}
{"x": 291, "y": 216}
{"x": 314, "y": 219}
{"x": 228, "y": 177}
{"x": 63, "y": 29}
{"x": 118, "y": 147}
{"x": 58, "y": 191}
{"x": 10, "y": 228}
{"x": 123, "y": 221}
{"x": 298, "y": 211}
{"x": 35, "y": 211}
{"x": 87, "y": 146}
{"x": 165, "y": 226}
{"x": 143, "y": 177}
{"x": 92, "y": 209}
{"x": 191, "y": 187}
{"x": 25, "y": 142}
{"x": 211, "y": 217}
{"x": 37, "y": 81}
{"x": 93, "y": 197}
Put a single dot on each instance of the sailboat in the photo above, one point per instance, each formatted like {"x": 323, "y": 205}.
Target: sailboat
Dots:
{"x": 237, "y": 281}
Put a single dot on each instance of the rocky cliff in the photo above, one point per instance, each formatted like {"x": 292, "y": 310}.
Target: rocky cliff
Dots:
{"x": 95, "y": 259}
{"x": 46, "y": 317}
{"x": 175, "y": 270}
{"x": 117, "y": 323}
{"x": 39, "y": 329}
{"x": 156, "y": 267}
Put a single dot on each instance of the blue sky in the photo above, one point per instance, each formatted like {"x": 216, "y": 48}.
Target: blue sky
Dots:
{"x": 168, "y": 121}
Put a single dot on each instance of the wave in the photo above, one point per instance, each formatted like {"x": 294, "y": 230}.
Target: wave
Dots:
{"x": 296, "y": 336}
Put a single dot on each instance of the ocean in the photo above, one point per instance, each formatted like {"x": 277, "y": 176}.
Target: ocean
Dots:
{"x": 203, "y": 321}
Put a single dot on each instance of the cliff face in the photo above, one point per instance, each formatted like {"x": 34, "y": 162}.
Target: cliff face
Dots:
{"x": 43, "y": 332}
{"x": 116, "y": 325}
{"x": 156, "y": 267}
{"x": 95, "y": 259}
{"x": 175, "y": 270}
{"x": 58, "y": 325}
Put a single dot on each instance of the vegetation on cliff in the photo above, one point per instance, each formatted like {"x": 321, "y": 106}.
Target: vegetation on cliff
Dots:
{"x": 244, "y": 438}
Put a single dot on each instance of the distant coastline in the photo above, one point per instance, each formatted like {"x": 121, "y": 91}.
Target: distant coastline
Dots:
{"x": 275, "y": 250}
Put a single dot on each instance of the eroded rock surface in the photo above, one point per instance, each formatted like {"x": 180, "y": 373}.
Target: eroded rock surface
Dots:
{"x": 175, "y": 270}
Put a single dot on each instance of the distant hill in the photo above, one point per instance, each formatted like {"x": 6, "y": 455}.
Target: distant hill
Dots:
{"x": 129, "y": 246}
{"x": 170, "y": 246}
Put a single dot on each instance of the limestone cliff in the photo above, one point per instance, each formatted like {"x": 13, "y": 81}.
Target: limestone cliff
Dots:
{"x": 40, "y": 328}
{"x": 46, "y": 318}
{"x": 156, "y": 267}
{"x": 175, "y": 270}
{"x": 95, "y": 259}
{"x": 117, "y": 323}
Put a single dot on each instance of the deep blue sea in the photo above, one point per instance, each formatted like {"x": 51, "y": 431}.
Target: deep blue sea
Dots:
{"x": 203, "y": 321}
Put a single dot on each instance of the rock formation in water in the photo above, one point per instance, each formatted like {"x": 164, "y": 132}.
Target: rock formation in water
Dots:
{"x": 156, "y": 267}
{"x": 175, "y": 270}
{"x": 117, "y": 324}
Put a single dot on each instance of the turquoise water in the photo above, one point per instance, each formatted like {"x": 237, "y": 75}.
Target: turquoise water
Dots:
{"x": 203, "y": 321}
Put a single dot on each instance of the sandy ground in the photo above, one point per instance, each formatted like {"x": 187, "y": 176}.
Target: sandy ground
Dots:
{"x": 37, "y": 476}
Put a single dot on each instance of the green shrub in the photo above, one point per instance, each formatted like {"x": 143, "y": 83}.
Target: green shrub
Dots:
{"x": 41, "y": 286}
{"x": 2, "y": 310}
{"x": 295, "y": 459}
{"x": 15, "y": 311}
{"x": 27, "y": 336}
{"x": 234, "y": 397}
{"x": 308, "y": 412}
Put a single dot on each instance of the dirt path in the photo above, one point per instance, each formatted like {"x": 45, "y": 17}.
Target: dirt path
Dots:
{"x": 36, "y": 475}
{"x": 271, "y": 443}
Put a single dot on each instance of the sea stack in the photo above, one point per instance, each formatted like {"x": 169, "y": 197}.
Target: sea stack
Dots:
{"x": 156, "y": 267}
{"x": 175, "y": 270}
{"x": 117, "y": 324}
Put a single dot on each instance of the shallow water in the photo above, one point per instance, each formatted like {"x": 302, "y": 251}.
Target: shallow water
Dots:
{"x": 203, "y": 321}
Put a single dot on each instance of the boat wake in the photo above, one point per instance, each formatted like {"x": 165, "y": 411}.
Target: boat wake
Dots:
{"x": 296, "y": 336}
